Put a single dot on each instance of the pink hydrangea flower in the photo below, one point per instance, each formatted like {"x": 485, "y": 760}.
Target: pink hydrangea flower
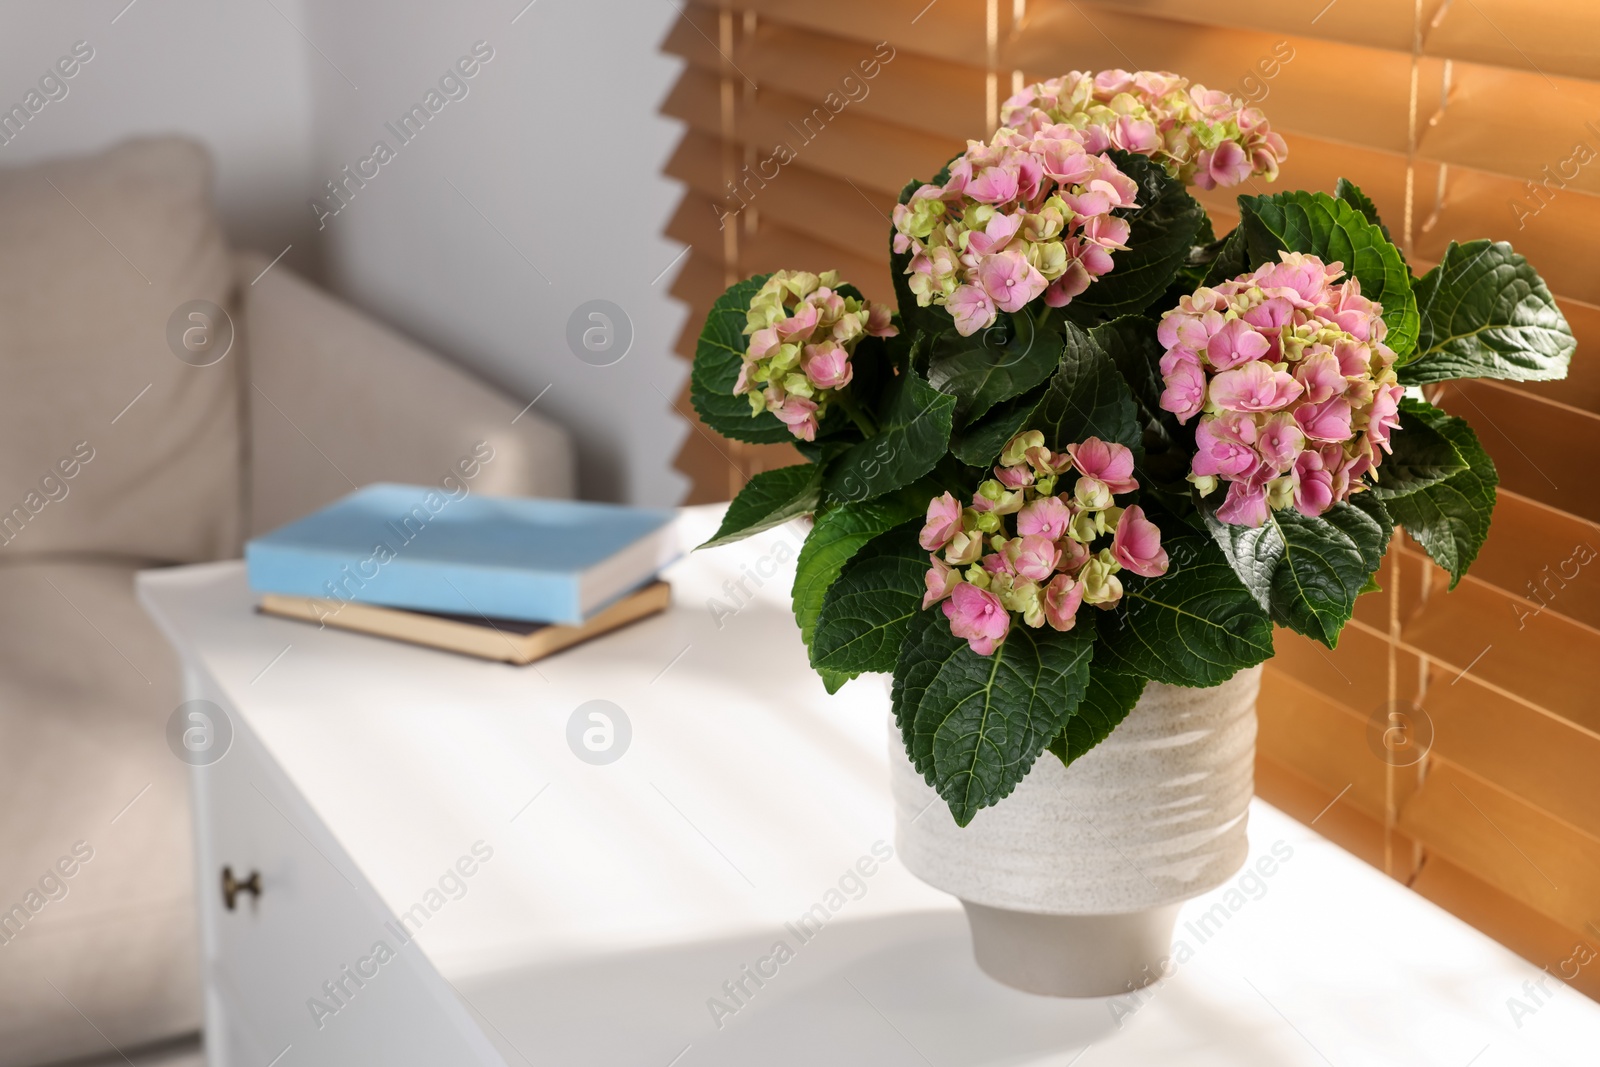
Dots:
{"x": 803, "y": 335}
{"x": 1254, "y": 387}
{"x": 977, "y": 616}
{"x": 971, "y": 308}
{"x": 1061, "y": 599}
{"x": 1010, "y": 280}
{"x": 1066, "y": 545}
{"x": 827, "y": 365}
{"x": 943, "y": 523}
{"x": 1292, "y": 382}
{"x": 1033, "y": 557}
{"x": 1137, "y": 544}
{"x": 1235, "y": 343}
{"x": 940, "y": 581}
{"x": 1046, "y": 517}
{"x": 1105, "y": 461}
{"x": 1246, "y": 504}
{"x": 1156, "y": 114}
{"x": 800, "y": 415}
{"x": 1019, "y": 217}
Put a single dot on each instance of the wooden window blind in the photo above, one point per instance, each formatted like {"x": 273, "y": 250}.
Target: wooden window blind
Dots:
{"x": 1461, "y": 119}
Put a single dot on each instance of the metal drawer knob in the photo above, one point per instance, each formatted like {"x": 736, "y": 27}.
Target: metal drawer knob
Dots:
{"x": 232, "y": 887}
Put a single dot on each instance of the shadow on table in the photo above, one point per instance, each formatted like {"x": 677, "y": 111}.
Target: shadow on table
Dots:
{"x": 895, "y": 990}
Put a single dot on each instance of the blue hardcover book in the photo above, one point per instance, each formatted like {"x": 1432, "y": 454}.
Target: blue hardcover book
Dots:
{"x": 416, "y": 547}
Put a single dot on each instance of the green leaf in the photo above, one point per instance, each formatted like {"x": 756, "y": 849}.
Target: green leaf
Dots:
{"x": 913, "y": 434}
{"x": 1334, "y": 230}
{"x": 974, "y": 725}
{"x": 980, "y": 443}
{"x": 1357, "y": 529}
{"x": 1195, "y": 625}
{"x": 1419, "y": 457}
{"x": 717, "y": 359}
{"x": 1307, "y": 572}
{"x": 838, "y": 534}
{"x": 1164, "y": 227}
{"x": 1109, "y": 699}
{"x": 1232, "y": 258}
{"x": 1015, "y": 354}
{"x": 770, "y": 499}
{"x": 1132, "y": 345}
{"x": 1087, "y": 397}
{"x": 1487, "y": 314}
{"x": 1450, "y": 519}
{"x": 1347, "y": 190}
{"x": 867, "y": 611}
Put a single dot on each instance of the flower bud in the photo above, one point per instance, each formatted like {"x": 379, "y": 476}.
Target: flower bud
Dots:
{"x": 964, "y": 548}
{"x": 1092, "y": 494}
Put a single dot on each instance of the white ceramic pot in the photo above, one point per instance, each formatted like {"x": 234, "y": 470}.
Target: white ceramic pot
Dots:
{"x": 1073, "y": 882}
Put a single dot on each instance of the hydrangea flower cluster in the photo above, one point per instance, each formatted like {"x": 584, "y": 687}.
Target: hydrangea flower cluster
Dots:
{"x": 1044, "y": 564}
{"x": 1201, "y": 136}
{"x": 1295, "y": 389}
{"x": 802, "y": 335}
{"x": 1023, "y": 215}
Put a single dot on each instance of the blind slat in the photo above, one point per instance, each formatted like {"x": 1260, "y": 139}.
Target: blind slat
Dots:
{"x": 1513, "y": 845}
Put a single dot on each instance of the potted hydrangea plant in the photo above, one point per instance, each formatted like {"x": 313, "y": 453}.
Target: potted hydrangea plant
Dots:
{"x": 1064, "y": 491}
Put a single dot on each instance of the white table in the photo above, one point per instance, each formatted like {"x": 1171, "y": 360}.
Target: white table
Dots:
{"x": 620, "y": 897}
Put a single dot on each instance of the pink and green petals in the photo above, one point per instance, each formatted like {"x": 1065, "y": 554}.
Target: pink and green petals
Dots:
{"x": 1295, "y": 390}
{"x": 1064, "y": 547}
{"x": 803, "y": 333}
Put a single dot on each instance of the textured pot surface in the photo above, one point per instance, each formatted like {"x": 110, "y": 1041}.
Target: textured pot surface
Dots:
{"x": 1153, "y": 815}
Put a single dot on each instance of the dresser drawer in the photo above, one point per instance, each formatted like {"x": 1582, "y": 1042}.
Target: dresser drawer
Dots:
{"x": 307, "y": 958}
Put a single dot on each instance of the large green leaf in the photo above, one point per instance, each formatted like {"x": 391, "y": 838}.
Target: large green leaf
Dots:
{"x": 1086, "y": 397}
{"x": 1357, "y": 528}
{"x": 1015, "y": 354}
{"x": 1163, "y": 230}
{"x": 867, "y": 610}
{"x": 974, "y": 725}
{"x": 1420, "y": 455}
{"x": 1348, "y": 191}
{"x": 1195, "y": 625}
{"x": 1335, "y": 230}
{"x": 1307, "y": 572}
{"x": 1487, "y": 314}
{"x": 979, "y": 444}
{"x": 717, "y": 359}
{"x": 1231, "y": 258}
{"x": 838, "y": 534}
{"x": 769, "y": 499}
{"x": 1132, "y": 345}
{"x": 913, "y": 434}
{"x": 1109, "y": 698}
{"x": 1450, "y": 519}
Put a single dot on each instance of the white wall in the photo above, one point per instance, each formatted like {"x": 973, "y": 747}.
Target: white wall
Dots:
{"x": 233, "y": 75}
{"x": 536, "y": 192}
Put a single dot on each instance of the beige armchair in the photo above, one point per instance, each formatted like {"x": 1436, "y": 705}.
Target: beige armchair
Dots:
{"x": 116, "y": 455}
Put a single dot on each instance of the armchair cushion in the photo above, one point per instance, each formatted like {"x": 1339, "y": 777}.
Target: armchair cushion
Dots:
{"x": 95, "y": 868}
{"x": 337, "y": 401}
{"x": 108, "y": 441}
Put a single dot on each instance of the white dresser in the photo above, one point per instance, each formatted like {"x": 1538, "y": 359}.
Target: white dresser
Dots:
{"x": 453, "y": 870}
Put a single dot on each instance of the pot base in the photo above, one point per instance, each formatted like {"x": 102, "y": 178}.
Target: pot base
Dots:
{"x": 1072, "y": 955}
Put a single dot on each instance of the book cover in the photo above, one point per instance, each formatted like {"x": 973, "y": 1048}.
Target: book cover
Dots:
{"x": 420, "y": 548}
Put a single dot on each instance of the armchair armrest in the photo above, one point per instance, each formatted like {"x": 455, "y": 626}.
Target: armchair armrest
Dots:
{"x": 336, "y": 400}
